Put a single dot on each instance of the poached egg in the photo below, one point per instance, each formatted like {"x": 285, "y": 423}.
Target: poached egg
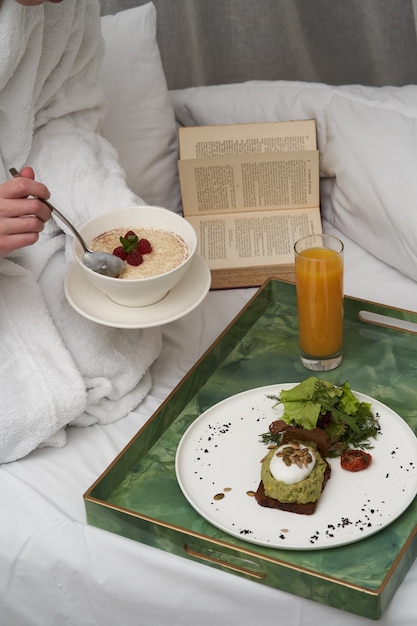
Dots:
{"x": 291, "y": 473}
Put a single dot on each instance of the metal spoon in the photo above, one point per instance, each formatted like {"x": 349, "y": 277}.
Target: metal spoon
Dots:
{"x": 100, "y": 262}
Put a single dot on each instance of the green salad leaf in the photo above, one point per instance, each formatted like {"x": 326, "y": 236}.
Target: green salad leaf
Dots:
{"x": 351, "y": 422}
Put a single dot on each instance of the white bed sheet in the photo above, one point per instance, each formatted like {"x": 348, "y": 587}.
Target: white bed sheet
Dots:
{"x": 57, "y": 570}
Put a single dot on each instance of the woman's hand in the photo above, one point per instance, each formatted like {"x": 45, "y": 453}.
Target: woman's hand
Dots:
{"x": 22, "y": 214}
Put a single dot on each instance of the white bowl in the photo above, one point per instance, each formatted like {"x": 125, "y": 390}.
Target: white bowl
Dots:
{"x": 138, "y": 291}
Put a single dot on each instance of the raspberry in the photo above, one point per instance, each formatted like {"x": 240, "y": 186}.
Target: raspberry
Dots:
{"x": 130, "y": 233}
{"x": 120, "y": 252}
{"x": 144, "y": 246}
{"x": 134, "y": 258}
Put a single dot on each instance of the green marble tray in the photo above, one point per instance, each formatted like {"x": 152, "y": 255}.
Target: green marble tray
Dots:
{"x": 138, "y": 495}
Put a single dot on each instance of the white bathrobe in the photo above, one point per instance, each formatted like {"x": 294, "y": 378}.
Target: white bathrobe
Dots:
{"x": 56, "y": 367}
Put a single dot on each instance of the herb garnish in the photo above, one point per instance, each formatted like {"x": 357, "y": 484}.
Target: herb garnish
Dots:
{"x": 318, "y": 403}
{"x": 129, "y": 241}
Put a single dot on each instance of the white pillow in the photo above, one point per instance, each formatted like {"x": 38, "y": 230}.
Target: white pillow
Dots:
{"x": 367, "y": 139}
{"x": 140, "y": 121}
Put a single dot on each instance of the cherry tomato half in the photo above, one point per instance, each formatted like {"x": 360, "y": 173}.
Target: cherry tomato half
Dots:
{"x": 355, "y": 460}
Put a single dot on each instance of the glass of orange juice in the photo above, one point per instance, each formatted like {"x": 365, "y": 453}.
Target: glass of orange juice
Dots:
{"x": 319, "y": 285}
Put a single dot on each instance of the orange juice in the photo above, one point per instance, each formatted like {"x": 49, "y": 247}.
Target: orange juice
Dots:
{"x": 319, "y": 282}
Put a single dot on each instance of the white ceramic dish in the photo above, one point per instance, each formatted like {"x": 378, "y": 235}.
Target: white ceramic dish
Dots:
{"x": 138, "y": 291}
{"x": 221, "y": 450}
{"x": 97, "y": 307}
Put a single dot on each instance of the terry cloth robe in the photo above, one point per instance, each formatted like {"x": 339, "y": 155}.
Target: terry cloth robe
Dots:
{"x": 56, "y": 367}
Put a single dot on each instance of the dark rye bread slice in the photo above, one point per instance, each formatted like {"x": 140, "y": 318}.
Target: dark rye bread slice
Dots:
{"x": 303, "y": 509}
{"x": 314, "y": 435}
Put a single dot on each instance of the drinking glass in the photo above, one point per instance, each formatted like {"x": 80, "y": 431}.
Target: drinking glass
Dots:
{"x": 319, "y": 286}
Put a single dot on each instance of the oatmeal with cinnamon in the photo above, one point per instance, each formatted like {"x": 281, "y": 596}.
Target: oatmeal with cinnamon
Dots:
{"x": 146, "y": 251}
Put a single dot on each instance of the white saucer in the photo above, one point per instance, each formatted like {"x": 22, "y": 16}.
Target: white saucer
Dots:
{"x": 97, "y": 307}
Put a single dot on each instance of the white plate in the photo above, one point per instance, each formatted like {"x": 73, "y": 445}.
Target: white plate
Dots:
{"x": 221, "y": 450}
{"x": 97, "y": 307}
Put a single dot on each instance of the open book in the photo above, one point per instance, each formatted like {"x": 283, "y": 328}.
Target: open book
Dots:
{"x": 250, "y": 191}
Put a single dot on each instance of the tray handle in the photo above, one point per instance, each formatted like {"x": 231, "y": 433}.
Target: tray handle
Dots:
{"x": 234, "y": 563}
{"x": 378, "y": 319}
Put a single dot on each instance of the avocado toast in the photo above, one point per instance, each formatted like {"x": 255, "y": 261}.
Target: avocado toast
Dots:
{"x": 319, "y": 420}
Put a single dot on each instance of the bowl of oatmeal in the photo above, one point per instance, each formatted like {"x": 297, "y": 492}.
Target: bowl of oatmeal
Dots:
{"x": 157, "y": 246}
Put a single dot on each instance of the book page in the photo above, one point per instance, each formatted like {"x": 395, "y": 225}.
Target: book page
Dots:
{"x": 245, "y": 182}
{"x": 262, "y": 238}
{"x": 198, "y": 142}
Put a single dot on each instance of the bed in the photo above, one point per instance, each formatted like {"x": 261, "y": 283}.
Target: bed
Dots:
{"x": 57, "y": 569}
